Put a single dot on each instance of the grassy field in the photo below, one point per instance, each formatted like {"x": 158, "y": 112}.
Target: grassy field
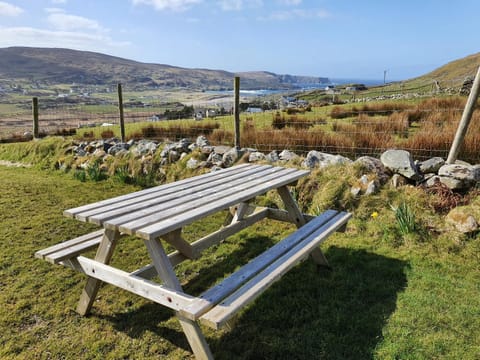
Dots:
{"x": 424, "y": 126}
{"x": 389, "y": 296}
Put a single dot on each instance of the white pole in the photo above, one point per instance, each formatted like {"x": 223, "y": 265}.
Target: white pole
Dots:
{"x": 465, "y": 121}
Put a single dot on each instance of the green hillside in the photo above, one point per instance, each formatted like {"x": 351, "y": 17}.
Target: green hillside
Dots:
{"x": 52, "y": 66}
{"x": 453, "y": 73}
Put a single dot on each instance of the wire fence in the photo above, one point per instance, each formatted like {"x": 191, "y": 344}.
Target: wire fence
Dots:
{"x": 425, "y": 127}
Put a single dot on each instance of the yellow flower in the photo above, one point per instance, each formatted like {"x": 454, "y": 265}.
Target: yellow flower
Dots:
{"x": 374, "y": 215}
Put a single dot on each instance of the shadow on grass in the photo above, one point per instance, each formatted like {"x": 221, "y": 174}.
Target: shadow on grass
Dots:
{"x": 150, "y": 316}
{"x": 308, "y": 314}
{"x": 320, "y": 315}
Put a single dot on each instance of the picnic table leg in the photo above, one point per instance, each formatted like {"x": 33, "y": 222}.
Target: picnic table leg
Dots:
{"x": 165, "y": 270}
{"x": 236, "y": 213}
{"x": 240, "y": 212}
{"x": 103, "y": 255}
{"x": 175, "y": 238}
{"x": 298, "y": 219}
{"x": 319, "y": 258}
{"x": 291, "y": 206}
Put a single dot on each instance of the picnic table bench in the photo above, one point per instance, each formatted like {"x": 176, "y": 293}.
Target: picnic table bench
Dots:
{"x": 160, "y": 213}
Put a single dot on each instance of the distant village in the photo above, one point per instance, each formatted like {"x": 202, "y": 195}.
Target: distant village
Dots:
{"x": 154, "y": 110}
{"x": 200, "y": 113}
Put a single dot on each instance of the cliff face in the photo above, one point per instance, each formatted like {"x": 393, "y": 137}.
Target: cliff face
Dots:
{"x": 63, "y": 66}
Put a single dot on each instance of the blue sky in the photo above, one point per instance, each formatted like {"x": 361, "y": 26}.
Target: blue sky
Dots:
{"x": 332, "y": 38}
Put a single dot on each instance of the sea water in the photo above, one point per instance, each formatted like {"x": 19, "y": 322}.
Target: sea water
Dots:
{"x": 299, "y": 87}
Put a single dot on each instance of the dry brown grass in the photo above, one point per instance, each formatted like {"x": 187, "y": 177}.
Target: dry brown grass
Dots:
{"x": 454, "y": 102}
{"x": 281, "y": 121}
{"x": 175, "y": 132}
{"x": 223, "y": 137}
{"x": 437, "y": 130}
{"x": 106, "y": 134}
{"x": 426, "y": 130}
{"x": 444, "y": 199}
{"x": 377, "y": 109}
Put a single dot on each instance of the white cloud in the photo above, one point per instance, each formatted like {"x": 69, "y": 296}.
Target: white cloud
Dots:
{"x": 7, "y": 9}
{"x": 296, "y": 14}
{"x": 65, "y": 31}
{"x": 67, "y": 22}
{"x": 54, "y": 10}
{"x": 290, "y": 2}
{"x": 174, "y": 5}
{"x": 26, "y": 36}
{"x": 231, "y": 5}
{"x": 237, "y": 5}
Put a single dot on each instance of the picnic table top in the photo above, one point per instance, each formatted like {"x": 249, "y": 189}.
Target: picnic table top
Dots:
{"x": 156, "y": 211}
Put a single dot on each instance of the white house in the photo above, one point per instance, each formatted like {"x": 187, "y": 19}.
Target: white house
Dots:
{"x": 198, "y": 115}
{"x": 210, "y": 113}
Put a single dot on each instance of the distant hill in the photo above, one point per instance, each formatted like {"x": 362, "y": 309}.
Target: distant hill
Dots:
{"x": 50, "y": 66}
{"x": 455, "y": 77}
{"x": 451, "y": 74}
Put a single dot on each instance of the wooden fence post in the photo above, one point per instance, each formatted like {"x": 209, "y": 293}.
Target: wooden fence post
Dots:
{"x": 236, "y": 111}
{"x": 35, "y": 117}
{"x": 120, "y": 111}
{"x": 465, "y": 121}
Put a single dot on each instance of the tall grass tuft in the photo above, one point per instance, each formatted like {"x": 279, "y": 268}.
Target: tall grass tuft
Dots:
{"x": 80, "y": 175}
{"x": 107, "y": 134}
{"x": 278, "y": 121}
{"x": 405, "y": 218}
{"x": 122, "y": 175}
{"x": 95, "y": 172}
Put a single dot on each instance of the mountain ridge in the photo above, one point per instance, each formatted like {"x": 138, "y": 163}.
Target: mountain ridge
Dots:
{"x": 52, "y": 66}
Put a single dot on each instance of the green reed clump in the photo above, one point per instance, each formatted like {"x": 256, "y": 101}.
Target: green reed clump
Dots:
{"x": 405, "y": 217}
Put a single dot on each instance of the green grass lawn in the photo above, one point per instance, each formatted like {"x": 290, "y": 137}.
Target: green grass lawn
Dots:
{"x": 381, "y": 301}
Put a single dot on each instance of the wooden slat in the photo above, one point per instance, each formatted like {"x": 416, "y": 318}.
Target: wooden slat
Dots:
{"x": 217, "y": 293}
{"x": 145, "y": 217}
{"x": 73, "y": 251}
{"x": 209, "y": 176}
{"x": 165, "y": 198}
{"x": 221, "y": 313}
{"x": 77, "y": 242}
{"x": 150, "y": 290}
{"x": 156, "y": 225}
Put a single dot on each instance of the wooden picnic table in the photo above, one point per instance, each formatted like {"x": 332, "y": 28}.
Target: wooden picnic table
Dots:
{"x": 160, "y": 213}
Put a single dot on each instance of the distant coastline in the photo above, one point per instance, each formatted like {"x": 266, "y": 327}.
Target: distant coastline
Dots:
{"x": 305, "y": 87}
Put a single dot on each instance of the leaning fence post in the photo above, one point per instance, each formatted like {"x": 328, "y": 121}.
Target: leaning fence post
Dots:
{"x": 120, "y": 111}
{"x": 465, "y": 121}
{"x": 236, "y": 111}
{"x": 35, "y": 117}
